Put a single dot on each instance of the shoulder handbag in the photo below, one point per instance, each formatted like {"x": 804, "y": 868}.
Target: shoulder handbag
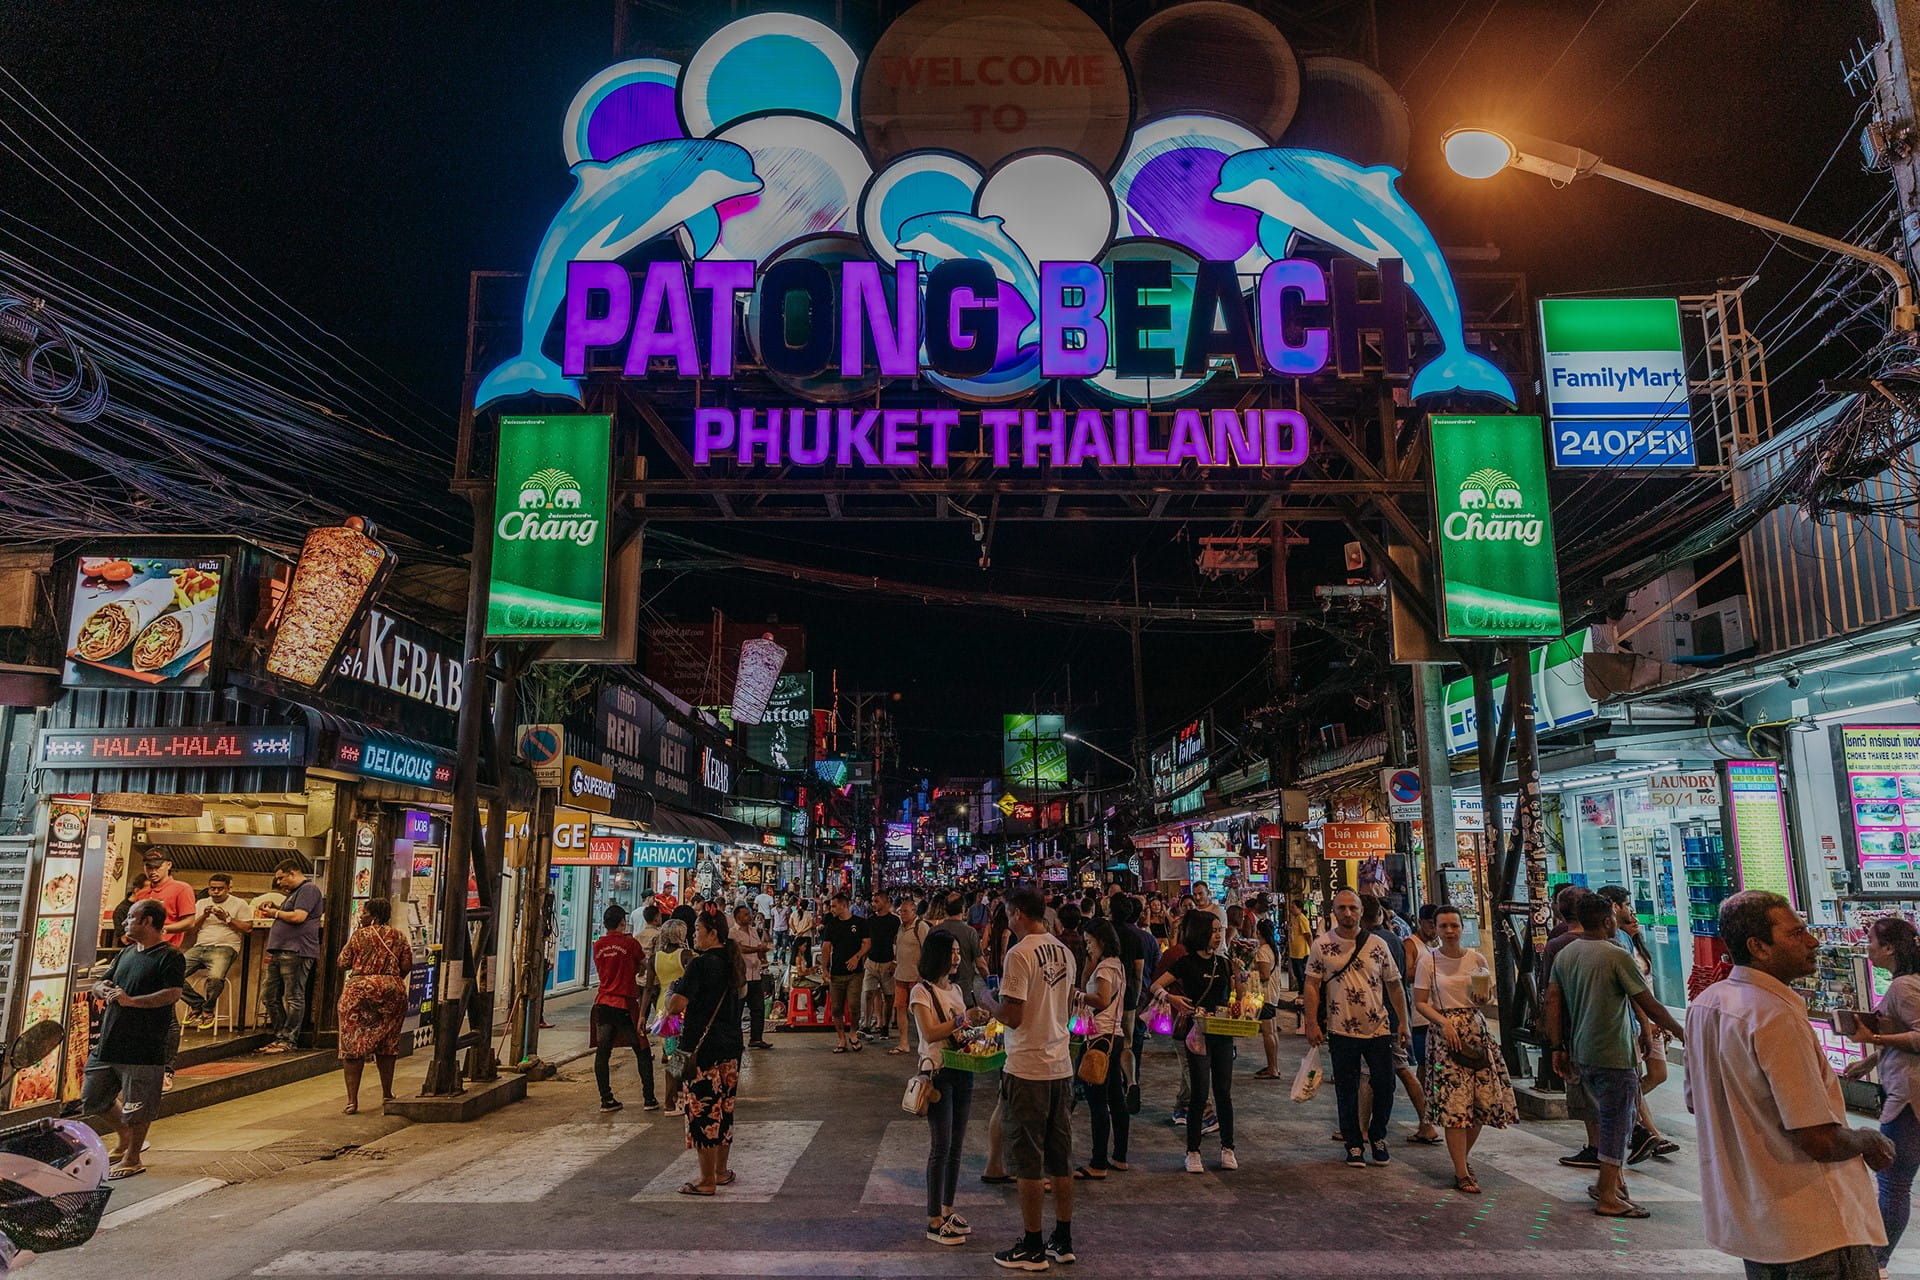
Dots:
{"x": 1326, "y": 988}
{"x": 921, "y": 1092}
{"x": 680, "y": 1061}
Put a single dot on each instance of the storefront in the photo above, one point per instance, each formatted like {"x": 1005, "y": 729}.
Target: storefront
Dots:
{"x": 171, "y": 738}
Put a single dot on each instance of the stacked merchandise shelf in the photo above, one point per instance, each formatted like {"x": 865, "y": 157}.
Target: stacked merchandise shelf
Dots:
{"x": 1709, "y": 881}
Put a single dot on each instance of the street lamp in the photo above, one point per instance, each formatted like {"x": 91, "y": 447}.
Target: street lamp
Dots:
{"x": 1473, "y": 151}
{"x": 1074, "y": 737}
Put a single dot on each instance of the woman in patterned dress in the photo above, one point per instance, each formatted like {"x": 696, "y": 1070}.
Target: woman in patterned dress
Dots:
{"x": 374, "y": 1001}
{"x": 707, "y": 1000}
{"x": 1467, "y": 1086}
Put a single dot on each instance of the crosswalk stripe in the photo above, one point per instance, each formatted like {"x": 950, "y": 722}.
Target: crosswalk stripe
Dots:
{"x": 528, "y": 1169}
{"x": 1535, "y": 1161}
{"x": 764, "y": 1153}
{"x": 1443, "y": 1263}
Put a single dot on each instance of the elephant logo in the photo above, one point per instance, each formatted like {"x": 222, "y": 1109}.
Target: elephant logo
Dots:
{"x": 1489, "y": 487}
{"x": 552, "y": 488}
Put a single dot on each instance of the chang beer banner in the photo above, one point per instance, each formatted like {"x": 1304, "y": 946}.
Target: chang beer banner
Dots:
{"x": 1497, "y": 571}
{"x": 1616, "y": 382}
{"x": 1034, "y": 754}
{"x": 550, "y": 509}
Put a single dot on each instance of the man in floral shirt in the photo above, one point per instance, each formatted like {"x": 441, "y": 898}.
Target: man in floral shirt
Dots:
{"x": 1355, "y": 973}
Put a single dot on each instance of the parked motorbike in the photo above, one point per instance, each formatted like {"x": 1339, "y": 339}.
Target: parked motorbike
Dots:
{"x": 53, "y": 1173}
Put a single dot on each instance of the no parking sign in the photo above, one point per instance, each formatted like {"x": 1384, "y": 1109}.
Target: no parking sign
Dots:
{"x": 1402, "y": 789}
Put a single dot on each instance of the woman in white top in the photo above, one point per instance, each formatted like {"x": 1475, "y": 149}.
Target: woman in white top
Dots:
{"x": 800, "y": 924}
{"x": 939, "y": 1010}
{"x": 1467, "y": 1087}
{"x": 1266, "y": 968}
{"x": 1104, "y": 1000}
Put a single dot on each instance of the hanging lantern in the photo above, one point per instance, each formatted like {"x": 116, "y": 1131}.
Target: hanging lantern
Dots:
{"x": 760, "y": 663}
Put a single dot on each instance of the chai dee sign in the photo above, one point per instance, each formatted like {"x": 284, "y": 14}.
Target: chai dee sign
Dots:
{"x": 994, "y": 218}
{"x": 1344, "y": 840}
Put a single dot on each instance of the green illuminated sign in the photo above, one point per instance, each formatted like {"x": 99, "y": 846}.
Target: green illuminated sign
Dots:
{"x": 1497, "y": 571}
{"x": 550, "y": 527}
{"x": 1033, "y": 753}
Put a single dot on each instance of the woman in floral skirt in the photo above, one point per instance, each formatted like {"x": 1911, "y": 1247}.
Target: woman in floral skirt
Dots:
{"x": 373, "y": 1003}
{"x": 1467, "y": 1086}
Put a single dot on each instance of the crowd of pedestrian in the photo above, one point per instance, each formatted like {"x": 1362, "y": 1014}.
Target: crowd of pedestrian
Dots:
{"x": 1075, "y": 987}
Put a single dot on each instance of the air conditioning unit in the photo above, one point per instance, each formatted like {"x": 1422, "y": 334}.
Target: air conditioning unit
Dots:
{"x": 1722, "y": 627}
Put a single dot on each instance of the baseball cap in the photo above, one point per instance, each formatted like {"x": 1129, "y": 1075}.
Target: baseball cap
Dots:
{"x": 155, "y": 859}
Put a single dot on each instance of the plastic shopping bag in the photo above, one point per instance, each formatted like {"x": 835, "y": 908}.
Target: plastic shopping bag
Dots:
{"x": 1306, "y": 1081}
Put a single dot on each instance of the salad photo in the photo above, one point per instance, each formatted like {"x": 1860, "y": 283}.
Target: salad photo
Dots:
{"x": 143, "y": 622}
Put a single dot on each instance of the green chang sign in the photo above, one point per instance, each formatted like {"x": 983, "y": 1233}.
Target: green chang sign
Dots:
{"x": 1497, "y": 571}
{"x": 1034, "y": 754}
{"x": 550, "y": 527}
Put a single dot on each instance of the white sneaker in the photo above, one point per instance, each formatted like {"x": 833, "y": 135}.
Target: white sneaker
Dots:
{"x": 1226, "y": 1159}
{"x": 1193, "y": 1163}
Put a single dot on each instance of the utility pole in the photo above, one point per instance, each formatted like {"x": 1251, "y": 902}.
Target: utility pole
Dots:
{"x": 1139, "y": 685}
{"x": 1896, "y": 89}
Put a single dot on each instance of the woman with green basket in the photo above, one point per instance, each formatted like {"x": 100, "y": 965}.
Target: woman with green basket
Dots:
{"x": 1204, "y": 978}
{"x": 939, "y": 1011}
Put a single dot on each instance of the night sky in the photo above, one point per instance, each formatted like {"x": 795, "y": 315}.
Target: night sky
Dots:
{"x": 362, "y": 159}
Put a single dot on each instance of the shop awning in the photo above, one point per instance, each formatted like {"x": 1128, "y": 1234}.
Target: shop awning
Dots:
{"x": 669, "y": 821}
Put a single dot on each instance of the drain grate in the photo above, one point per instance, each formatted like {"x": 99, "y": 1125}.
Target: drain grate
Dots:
{"x": 246, "y": 1166}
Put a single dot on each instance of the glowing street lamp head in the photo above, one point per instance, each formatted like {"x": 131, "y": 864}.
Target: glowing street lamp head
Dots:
{"x": 1477, "y": 153}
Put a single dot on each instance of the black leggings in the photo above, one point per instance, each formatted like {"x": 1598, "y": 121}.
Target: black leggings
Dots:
{"x": 1215, "y": 1066}
{"x": 610, "y": 1022}
{"x": 1107, "y": 1104}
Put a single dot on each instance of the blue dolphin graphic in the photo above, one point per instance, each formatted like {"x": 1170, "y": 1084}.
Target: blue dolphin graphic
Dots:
{"x": 937, "y": 237}
{"x": 1357, "y": 211}
{"x": 616, "y": 206}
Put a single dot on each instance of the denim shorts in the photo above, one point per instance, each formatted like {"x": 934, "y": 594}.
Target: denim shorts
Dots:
{"x": 1614, "y": 1092}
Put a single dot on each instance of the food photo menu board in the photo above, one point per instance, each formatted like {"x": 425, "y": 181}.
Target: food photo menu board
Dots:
{"x": 1882, "y": 767}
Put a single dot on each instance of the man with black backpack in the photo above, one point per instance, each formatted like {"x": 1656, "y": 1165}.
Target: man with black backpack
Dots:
{"x": 1355, "y": 973}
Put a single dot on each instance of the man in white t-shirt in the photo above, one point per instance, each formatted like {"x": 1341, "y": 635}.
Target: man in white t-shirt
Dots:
{"x": 1036, "y": 1086}
{"x": 763, "y": 907}
{"x": 218, "y": 928}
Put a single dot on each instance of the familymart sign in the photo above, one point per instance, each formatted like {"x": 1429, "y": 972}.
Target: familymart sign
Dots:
{"x": 1616, "y": 382}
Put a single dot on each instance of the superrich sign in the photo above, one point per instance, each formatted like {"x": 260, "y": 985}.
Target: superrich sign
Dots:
{"x": 550, "y": 501}
{"x": 1497, "y": 571}
{"x": 1616, "y": 382}
{"x": 998, "y": 215}
{"x": 587, "y": 785}
{"x": 171, "y": 748}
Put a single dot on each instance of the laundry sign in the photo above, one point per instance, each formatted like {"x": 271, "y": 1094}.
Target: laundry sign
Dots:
{"x": 1688, "y": 789}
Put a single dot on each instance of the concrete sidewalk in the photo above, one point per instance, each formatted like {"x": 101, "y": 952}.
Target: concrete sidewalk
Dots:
{"x": 200, "y": 1149}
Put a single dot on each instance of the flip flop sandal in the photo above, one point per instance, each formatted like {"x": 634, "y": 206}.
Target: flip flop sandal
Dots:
{"x": 1631, "y": 1211}
{"x": 1426, "y": 1142}
{"x": 117, "y": 1175}
{"x": 1084, "y": 1174}
{"x": 1466, "y": 1185}
{"x": 1000, "y": 1181}
{"x": 857, "y": 1046}
{"x": 897, "y": 1050}
{"x": 1117, "y": 1166}
{"x": 840, "y": 1048}
{"x": 729, "y": 1180}
{"x": 1266, "y": 1075}
{"x": 691, "y": 1189}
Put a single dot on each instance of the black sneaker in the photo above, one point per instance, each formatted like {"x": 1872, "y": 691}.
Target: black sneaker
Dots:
{"x": 1380, "y": 1154}
{"x": 1133, "y": 1099}
{"x": 610, "y": 1104}
{"x": 1664, "y": 1147}
{"x": 1643, "y": 1147}
{"x": 945, "y": 1234}
{"x": 651, "y": 1104}
{"x": 1060, "y": 1251}
{"x": 1584, "y": 1158}
{"x": 1356, "y": 1157}
{"x": 1021, "y": 1256}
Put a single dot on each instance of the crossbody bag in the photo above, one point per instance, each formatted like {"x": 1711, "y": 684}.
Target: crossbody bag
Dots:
{"x": 1326, "y": 988}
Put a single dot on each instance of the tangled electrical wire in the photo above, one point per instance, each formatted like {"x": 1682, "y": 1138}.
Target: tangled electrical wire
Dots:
{"x": 43, "y": 366}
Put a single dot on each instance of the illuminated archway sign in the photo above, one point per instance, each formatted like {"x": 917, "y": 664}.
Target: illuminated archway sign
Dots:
{"x": 1141, "y": 274}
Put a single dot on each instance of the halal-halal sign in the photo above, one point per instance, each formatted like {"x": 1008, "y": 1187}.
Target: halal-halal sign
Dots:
{"x": 996, "y": 217}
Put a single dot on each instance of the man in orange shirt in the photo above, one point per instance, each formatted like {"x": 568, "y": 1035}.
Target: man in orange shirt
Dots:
{"x": 176, "y": 896}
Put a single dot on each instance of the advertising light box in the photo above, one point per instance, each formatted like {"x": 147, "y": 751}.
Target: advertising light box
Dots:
{"x": 1882, "y": 764}
{"x": 1616, "y": 382}
{"x": 550, "y": 527}
{"x": 142, "y": 622}
{"x": 976, "y": 204}
{"x": 1497, "y": 571}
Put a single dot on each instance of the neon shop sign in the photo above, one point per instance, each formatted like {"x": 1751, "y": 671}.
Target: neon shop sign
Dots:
{"x": 1142, "y": 262}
